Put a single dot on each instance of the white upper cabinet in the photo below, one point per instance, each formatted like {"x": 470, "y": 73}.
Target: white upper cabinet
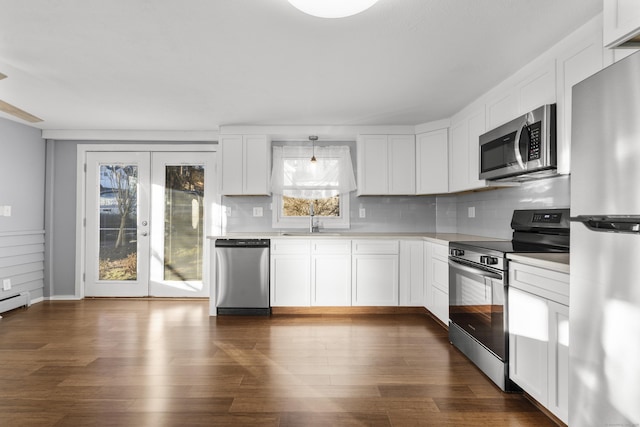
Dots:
{"x": 537, "y": 87}
{"x": 432, "y": 166}
{"x": 386, "y": 165}
{"x": 525, "y": 91}
{"x": 575, "y": 63}
{"x": 246, "y": 164}
{"x": 464, "y": 161}
{"x": 621, "y": 23}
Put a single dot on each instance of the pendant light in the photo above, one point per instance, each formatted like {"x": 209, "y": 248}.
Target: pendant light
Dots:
{"x": 332, "y": 8}
{"x": 313, "y": 139}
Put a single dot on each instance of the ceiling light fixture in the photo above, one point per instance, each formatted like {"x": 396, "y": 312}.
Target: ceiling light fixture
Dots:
{"x": 313, "y": 139}
{"x": 332, "y": 8}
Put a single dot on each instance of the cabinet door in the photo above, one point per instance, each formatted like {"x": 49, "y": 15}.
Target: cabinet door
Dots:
{"x": 459, "y": 158}
{"x": 427, "y": 275}
{"x": 372, "y": 165}
{"x": 402, "y": 164}
{"x": 573, "y": 66}
{"x": 477, "y": 127}
{"x": 464, "y": 161}
{"x": 330, "y": 272}
{"x": 290, "y": 280}
{"x": 432, "y": 166}
{"x": 331, "y": 280}
{"x": 440, "y": 304}
{"x": 232, "y": 164}
{"x": 621, "y": 20}
{"x": 257, "y": 165}
{"x": 528, "y": 343}
{"x": 412, "y": 273}
{"x": 559, "y": 360}
{"x": 537, "y": 88}
{"x": 374, "y": 280}
{"x": 246, "y": 164}
{"x": 438, "y": 270}
{"x": 501, "y": 107}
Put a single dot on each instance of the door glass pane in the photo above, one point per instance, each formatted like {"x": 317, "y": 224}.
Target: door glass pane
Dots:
{"x": 118, "y": 222}
{"x": 183, "y": 222}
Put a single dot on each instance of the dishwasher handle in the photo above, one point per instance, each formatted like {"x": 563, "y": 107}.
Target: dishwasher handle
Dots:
{"x": 243, "y": 243}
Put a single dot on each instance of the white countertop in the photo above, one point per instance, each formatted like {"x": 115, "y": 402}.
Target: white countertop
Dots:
{"x": 442, "y": 238}
{"x": 551, "y": 261}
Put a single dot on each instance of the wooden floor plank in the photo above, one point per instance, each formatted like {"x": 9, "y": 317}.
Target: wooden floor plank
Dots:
{"x": 110, "y": 362}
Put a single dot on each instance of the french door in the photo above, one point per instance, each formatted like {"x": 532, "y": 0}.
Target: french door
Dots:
{"x": 146, "y": 222}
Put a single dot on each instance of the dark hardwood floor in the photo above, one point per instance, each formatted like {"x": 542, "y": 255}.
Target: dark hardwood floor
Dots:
{"x": 167, "y": 363}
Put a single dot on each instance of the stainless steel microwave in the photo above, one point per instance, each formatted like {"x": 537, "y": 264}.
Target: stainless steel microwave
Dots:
{"x": 524, "y": 148}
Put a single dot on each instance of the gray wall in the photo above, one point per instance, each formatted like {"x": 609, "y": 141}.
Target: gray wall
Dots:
{"x": 22, "y": 186}
{"x": 61, "y": 218}
{"x": 493, "y": 208}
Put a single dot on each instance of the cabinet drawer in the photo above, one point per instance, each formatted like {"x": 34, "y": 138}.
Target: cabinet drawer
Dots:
{"x": 384, "y": 247}
{"x": 548, "y": 284}
{"x": 290, "y": 246}
{"x": 440, "y": 251}
{"x": 330, "y": 247}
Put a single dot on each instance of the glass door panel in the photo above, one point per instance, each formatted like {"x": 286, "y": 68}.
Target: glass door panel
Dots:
{"x": 117, "y": 224}
{"x": 183, "y": 222}
{"x": 181, "y": 185}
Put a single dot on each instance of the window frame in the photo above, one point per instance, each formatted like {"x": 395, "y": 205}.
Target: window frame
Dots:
{"x": 281, "y": 221}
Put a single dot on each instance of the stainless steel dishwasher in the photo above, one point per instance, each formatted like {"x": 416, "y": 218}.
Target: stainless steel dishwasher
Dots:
{"x": 242, "y": 276}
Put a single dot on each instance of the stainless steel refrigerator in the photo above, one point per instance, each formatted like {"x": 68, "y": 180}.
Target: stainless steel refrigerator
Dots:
{"x": 604, "y": 343}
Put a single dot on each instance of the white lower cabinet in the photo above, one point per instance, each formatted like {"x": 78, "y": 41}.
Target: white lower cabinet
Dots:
{"x": 412, "y": 273}
{"x": 374, "y": 273}
{"x": 539, "y": 335}
{"x": 331, "y": 272}
{"x": 290, "y": 266}
{"x": 361, "y": 272}
{"x": 437, "y": 283}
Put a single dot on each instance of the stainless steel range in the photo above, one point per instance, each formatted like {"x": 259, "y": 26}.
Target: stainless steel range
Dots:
{"x": 478, "y": 286}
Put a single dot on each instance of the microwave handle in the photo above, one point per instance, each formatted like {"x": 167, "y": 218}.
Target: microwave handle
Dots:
{"x": 516, "y": 145}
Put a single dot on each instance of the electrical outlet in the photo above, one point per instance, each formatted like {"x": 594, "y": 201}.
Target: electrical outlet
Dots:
{"x": 257, "y": 212}
{"x": 6, "y": 284}
{"x": 6, "y": 210}
{"x": 363, "y": 213}
{"x": 472, "y": 211}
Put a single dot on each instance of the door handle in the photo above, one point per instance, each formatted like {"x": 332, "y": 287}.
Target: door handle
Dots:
{"x": 144, "y": 233}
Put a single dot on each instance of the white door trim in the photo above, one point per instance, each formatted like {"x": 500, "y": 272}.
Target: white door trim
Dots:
{"x": 81, "y": 159}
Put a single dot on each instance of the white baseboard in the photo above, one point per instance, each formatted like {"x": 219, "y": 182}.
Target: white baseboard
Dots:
{"x": 63, "y": 298}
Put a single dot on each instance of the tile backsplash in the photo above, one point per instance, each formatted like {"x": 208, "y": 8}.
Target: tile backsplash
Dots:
{"x": 442, "y": 214}
{"x": 493, "y": 208}
{"x": 382, "y": 214}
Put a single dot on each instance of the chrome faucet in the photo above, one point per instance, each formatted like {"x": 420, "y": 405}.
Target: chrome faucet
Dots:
{"x": 313, "y": 228}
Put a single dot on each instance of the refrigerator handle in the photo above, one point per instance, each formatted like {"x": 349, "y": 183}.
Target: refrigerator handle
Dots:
{"x": 611, "y": 224}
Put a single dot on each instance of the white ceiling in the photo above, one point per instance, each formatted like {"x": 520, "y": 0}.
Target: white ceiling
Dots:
{"x": 201, "y": 64}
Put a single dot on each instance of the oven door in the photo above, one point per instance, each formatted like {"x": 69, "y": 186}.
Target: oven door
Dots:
{"x": 477, "y": 297}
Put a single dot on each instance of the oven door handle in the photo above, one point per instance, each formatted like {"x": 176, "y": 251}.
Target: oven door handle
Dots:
{"x": 475, "y": 271}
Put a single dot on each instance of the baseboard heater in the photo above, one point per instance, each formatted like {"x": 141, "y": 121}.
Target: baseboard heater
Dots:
{"x": 22, "y": 299}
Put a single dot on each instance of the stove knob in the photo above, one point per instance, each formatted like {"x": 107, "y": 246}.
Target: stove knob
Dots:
{"x": 456, "y": 252}
{"x": 488, "y": 260}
